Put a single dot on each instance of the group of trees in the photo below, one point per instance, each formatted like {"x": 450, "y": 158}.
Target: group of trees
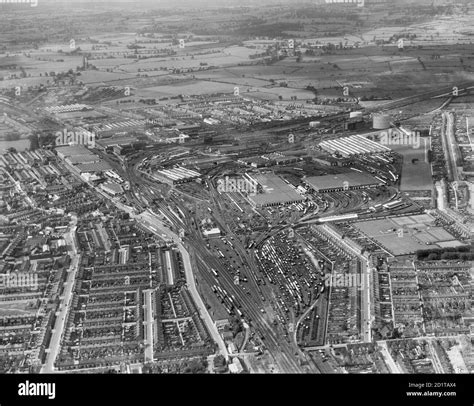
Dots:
{"x": 188, "y": 366}
{"x": 463, "y": 253}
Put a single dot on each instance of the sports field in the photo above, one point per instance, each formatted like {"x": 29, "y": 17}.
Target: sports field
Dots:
{"x": 406, "y": 235}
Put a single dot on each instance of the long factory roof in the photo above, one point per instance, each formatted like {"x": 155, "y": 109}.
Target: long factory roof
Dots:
{"x": 353, "y": 179}
{"x": 179, "y": 173}
{"x": 353, "y": 145}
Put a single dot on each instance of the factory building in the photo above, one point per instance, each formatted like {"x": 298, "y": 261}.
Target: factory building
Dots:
{"x": 381, "y": 121}
{"x": 112, "y": 188}
{"x": 353, "y": 145}
{"x": 276, "y": 192}
{"x": 70, "y": 108}
{"x": 176, "y": 176}
{"x": 82, "y": 159}
{"x": 341, "y": 182}
{"x": 73, "y": 150}
{"x": 116, "y": 141}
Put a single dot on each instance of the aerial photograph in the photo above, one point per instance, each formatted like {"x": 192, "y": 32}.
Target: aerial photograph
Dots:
{"x": 236, "y": 187}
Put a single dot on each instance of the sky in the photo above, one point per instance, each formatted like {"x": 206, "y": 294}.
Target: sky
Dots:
{"x": 154, "y": 4}
{"x": 213, "y": 3}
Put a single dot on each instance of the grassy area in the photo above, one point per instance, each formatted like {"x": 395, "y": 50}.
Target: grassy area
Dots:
{"x": 415, "y": 176}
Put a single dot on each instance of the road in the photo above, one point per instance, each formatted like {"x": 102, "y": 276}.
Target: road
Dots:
{"x": 450, "y": 146}
{"x": 437, "y": 365}
{"x": 365, "y": 311}
{"x": 394, "y": 369}
{"x": 148, "y": 322}
{"x": 58, "y": 331}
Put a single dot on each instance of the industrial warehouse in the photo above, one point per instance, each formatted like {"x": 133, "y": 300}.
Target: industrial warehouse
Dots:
{"x": 353, "y": 145}
{"x": 342, "y": 181}
{"x": 176, "y": 176}
{"x": 275, "y": 192}
{"x": 82, "y": 160}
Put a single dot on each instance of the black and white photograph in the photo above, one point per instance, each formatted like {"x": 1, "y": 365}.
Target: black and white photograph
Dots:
{"x": 248, "y": 192}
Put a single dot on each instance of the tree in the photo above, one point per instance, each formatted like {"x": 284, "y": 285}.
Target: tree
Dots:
{"x": 196, "y": 366}
{"x": 219, "y": 361}
{"x": 34, "y": 142}
{"x": 432, "y": 257}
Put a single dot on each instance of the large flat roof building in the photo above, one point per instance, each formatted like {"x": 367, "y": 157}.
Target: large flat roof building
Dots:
{"x": 112, "y": 188}
{"x": 122, "y": 140}
{"x": 341, "y": 181}
{"x": 68, "y": 108}
{"x": 94, "y": 167}
{"x": 275, "y": 192}
{"x": 72, "y": 150}
{"x": 82, "y": 159}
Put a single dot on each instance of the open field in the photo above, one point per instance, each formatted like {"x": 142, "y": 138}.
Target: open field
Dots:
{"x": 415, "y": 176}
{"x": 406, "y": 235}
{"x": 18, "y": 308}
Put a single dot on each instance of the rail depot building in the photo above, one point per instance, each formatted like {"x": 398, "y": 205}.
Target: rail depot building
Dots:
{"x": 276, "y": 192}
{"x": 341, "y": 181}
